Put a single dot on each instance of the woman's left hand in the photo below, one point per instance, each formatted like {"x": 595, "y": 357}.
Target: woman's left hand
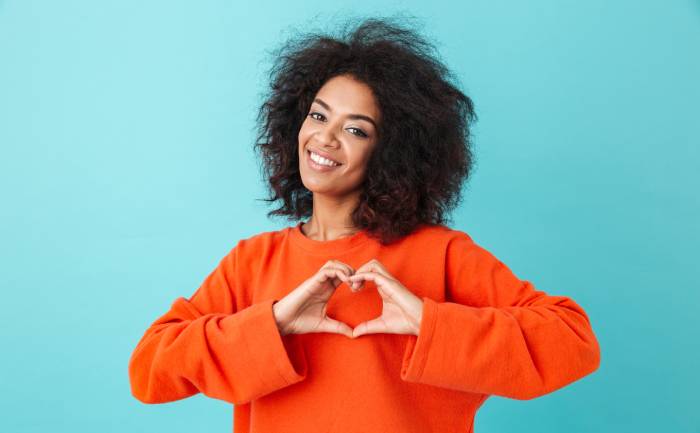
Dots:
{"x": 401, "y": 310}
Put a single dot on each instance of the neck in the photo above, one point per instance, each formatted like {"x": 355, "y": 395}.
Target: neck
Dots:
{"x": 331, "y": 218}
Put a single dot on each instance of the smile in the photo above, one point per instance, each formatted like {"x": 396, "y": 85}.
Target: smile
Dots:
{"x": 320, "y": 163}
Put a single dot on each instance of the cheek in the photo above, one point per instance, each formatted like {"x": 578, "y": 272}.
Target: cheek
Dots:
{"x": 303, "y": 135}
{"x": 357, "y": 167}
{"x": 361, "y": 159}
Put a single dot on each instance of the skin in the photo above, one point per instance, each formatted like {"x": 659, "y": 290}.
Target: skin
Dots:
{"x": 349, "y": 141}
{"x": 330, "y": 126}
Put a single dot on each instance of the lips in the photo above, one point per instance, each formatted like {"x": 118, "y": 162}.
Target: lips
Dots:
{"x": 324, "y": 154}
{"x": 318, "y": 167}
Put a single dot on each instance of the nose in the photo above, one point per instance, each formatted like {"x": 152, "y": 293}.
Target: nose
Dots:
{"x": 326, "y": 137}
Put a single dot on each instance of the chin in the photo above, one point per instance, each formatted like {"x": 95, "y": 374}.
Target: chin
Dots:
{"x": 316, "y": 188}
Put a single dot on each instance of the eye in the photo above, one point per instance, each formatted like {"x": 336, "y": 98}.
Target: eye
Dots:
{"x": 312, "y": 115}
{"x": 362, "y": 133}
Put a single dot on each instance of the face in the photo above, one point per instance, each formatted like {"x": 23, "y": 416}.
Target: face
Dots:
{"x": 341, "y": 126}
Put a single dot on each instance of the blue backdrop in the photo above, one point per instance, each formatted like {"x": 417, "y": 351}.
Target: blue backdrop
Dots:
{"x": 127, "y": 172}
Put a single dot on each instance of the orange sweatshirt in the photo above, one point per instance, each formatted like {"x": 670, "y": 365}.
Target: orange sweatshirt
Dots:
{"x": 483, "y": 332}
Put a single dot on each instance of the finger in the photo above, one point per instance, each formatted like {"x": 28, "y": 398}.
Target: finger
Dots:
{"x": 374, "y": 326}
{"x": 357, "y": 281}
{"x": 337, "y": 275}
{"x": 350, "y": 270}
{"x": 373, "y": 266}
{"x": 335, "y": 327}
{"x": 357, "y": 284}
{"x": 384, "y": 285}
{"x": 338, "y": 264}
{"x": 333, "y": 264}
{"x": 370, "y": 276}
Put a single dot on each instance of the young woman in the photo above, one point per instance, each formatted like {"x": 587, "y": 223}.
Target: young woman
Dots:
{"x": 372, "y": 315}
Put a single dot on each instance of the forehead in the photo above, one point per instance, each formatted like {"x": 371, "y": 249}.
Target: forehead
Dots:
{"x": 347, "y": 95}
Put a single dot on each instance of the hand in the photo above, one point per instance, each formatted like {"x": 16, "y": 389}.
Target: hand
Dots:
{"x": 402, "y": 311}
{"x": 303, "y": 310}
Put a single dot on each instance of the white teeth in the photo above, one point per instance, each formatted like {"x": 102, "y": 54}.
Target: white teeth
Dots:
{"x": 321, "y": 160}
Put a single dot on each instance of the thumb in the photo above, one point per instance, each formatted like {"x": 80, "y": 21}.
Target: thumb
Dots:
{"x": 373, "y": 326}
{"x": 335, "y": 327}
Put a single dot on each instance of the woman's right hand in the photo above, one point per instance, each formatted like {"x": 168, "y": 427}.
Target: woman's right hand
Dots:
{"x": 303, "y": 310}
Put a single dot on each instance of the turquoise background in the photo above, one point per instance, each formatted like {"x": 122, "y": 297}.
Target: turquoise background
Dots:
{"x": 127, "y": 172}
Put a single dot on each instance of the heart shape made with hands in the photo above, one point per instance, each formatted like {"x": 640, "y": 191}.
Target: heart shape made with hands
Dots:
{"x": 401, "y": 309}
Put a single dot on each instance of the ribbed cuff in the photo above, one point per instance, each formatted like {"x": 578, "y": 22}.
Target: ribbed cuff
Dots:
{"x": 418, "y": 347}
{"x": 279, "y": 362}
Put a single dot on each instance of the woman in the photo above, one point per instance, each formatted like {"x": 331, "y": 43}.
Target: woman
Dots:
{"x": 372, "y": 315}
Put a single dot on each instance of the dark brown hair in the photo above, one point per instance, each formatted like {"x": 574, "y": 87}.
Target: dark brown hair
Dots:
{"x": 423, "y": 152}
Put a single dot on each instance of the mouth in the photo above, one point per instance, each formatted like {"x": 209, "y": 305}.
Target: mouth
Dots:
{"x": 319, "y": 163}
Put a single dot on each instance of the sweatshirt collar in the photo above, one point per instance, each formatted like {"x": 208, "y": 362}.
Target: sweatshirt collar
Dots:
{"x": 335, "y": 246}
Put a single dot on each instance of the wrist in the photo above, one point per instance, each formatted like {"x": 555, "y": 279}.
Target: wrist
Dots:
{"x": 278, "y": 322}
{"x": 417, "y": 315}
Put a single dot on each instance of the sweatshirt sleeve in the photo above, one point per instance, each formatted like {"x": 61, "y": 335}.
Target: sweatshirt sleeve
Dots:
{"x": 202, "y": 344}
{"x": 497, "y": 334}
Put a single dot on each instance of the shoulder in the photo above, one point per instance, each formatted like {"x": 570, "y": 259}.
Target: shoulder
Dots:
{"x": 260, "y": 239}
{"x": 454, "y": 245}
{"x": 257, "y": 243}
{"x": 440, "y": 236}
{"x": 252, "y": 250}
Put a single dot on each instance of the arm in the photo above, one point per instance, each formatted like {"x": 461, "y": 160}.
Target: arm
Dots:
{"x": 203, "y": 344}
{"x": 501, "y": 336}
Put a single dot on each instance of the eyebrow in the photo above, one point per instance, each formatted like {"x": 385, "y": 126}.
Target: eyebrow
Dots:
{"x": 352, "y": 116}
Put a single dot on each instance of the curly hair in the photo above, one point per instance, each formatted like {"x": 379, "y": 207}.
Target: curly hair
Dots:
{"x": 423, "y": 153}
